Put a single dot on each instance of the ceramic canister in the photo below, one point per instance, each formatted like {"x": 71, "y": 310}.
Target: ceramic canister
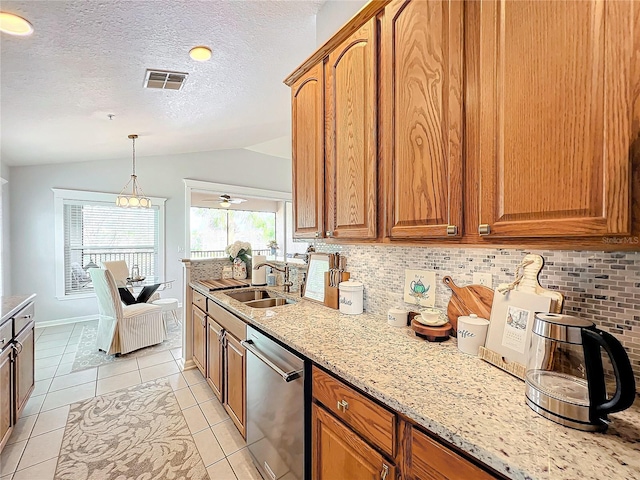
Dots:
{"x": 350, "y": 298}
{"x": 397, "y": 317}
{"x": 472, "y": 332}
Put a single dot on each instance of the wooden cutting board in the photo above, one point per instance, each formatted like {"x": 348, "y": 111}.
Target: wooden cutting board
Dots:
{"x": 222, "y": 283}
{"x": 465, "y": 300}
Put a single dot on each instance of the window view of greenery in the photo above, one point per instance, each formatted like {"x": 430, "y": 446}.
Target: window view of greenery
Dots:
{"x": 212, "y": 229}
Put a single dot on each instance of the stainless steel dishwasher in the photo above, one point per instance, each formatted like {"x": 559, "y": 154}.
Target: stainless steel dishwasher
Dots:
{"x": 275, "y": 408}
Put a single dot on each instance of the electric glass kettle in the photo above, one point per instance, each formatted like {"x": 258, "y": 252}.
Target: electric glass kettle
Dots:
{"x": 565, "y": 376}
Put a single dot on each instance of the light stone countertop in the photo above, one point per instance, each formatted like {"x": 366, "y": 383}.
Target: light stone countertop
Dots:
{"x": 469, "y": 403}
{"x": 12, "y": 305}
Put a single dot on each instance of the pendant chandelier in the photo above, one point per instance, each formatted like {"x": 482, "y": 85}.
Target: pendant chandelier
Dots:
{"x": 136, "y": 199}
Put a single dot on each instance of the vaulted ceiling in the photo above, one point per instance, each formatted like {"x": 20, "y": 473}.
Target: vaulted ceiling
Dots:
{"x": 87, "y": 59}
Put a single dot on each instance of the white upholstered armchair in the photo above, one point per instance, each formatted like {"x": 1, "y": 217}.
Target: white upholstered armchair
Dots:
{"x": 123, "y": 329}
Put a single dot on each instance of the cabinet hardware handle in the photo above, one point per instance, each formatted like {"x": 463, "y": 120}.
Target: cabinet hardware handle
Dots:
{"x": 18, "y": 351}
{"x": 318, "y": 234}
{"x": 286, "y": 376}
{"x": 343, "y": 405}
{"x": 384, "y": 472}
{"x": 452, "y": 230}
{"x": 28, "y": 316}
{"x": 484, "y": 229}
{"x": 4, "y": 340}
{"x": 329, "y": 233}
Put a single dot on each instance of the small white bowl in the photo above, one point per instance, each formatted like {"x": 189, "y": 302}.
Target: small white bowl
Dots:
{"x": 432, "y": 317}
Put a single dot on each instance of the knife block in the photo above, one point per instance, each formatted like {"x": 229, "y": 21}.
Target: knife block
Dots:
{"x": 332, "y": 294}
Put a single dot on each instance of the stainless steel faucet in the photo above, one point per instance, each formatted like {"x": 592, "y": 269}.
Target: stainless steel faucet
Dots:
{"x": 287, "y": 283}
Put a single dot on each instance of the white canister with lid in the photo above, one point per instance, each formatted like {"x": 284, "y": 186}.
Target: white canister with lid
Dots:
{"x": 472, "y": 332}
{"x": 350, "y": 297}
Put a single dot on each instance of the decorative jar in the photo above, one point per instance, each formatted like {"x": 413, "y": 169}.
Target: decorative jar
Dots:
{"x": 239, "y": 269}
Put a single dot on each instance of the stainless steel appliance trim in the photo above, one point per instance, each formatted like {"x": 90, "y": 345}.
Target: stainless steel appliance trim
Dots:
{"x": 561, "y": 408}
{"x": 563, "y": 328}
{"x": 286, "y": 376}
{"x": 567, "y": 422}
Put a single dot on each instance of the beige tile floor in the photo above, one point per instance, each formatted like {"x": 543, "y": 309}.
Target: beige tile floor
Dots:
{"x": 32, "y": 451}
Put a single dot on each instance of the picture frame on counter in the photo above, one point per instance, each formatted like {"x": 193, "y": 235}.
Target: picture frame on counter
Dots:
{"x": 510, "y": 329}
{"x": 314, "y": 289}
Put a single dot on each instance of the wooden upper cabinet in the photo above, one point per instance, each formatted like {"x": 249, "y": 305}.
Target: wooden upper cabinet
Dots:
{"x": 350, "y": 135}
{"x": 307, "y": 103}
{"x": 422, "y": 117}
{"x": 555, "y": 117}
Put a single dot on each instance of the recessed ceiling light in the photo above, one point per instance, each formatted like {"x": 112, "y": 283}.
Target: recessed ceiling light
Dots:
{"x": 14, "y": 25}
{"x": 200, "y": 54}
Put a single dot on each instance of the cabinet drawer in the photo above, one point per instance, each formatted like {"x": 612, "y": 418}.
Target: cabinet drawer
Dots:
{"x": 430, "y": 459}
{"x": 227, "y": 320}
{"x": 6, "y": 334}
{"x": 22, "y": 318}
{"x": 370, "y": 420}
{"x": 200, "y": 300}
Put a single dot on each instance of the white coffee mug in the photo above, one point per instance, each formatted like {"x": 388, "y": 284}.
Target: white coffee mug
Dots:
{"x": 472, "y": 332}
{"x": 397, "y": 317}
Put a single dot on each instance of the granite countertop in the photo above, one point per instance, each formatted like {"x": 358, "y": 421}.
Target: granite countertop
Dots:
{"x": 12, "y": 304}
{"x": 469, "y": 403}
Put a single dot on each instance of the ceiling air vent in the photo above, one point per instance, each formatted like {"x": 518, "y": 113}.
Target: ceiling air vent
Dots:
{"x": 164, "y": 79}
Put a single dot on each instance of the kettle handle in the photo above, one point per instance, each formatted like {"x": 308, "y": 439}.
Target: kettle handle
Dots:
{"x": 625, "y": 382}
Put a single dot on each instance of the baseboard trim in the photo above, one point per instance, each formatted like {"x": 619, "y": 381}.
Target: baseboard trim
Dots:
{"x": 65, "y": 321}
{"x": 187, "y": 364}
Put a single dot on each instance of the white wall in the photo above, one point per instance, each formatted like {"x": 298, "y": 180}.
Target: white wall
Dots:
{"x": 5, "y": 247}
{"x": 32, "y": 212}
{"x": 333, "y": 15}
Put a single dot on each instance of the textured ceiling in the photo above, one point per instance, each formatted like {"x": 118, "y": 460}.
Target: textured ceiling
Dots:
{"x": 87, "y": 59}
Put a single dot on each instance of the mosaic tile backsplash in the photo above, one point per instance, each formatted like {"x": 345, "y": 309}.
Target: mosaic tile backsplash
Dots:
{"x": 601, "y": 286}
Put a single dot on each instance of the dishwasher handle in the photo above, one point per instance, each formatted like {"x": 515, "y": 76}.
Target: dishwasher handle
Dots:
{"x": 286, "y": 376}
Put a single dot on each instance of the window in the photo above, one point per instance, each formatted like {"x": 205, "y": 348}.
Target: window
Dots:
{"x": 212, "y": 229}
{"x": 91, "y": 229}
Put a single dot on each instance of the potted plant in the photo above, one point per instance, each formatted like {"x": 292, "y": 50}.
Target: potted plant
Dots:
{"x": 273, "y": 245}
{"x": 239, "y": 253}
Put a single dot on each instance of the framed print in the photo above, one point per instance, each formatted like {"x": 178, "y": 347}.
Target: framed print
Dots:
{"x": 512, "y": 316}
{"x": 314, "y": 287}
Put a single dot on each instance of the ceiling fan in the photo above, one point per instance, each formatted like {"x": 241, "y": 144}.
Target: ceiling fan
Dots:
{"x": 226, "y": 200}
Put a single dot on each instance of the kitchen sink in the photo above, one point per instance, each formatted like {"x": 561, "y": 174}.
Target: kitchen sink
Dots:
{"x": 249, "y": 295}
{"x": 268, "y": 302}
{"x": 259, "y": 298}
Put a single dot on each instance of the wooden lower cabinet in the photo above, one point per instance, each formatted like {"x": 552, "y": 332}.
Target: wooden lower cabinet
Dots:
{"x": 338, "y": 452}
{"x": 427, "y": 459}
{"x": 5, "y": 396}
{"x": 215, "y": 364}
{"x": 354, "y": 437}
{"x": 235, "y": 380}
{"x": 199, "y": 332}
{"x": 218, "y": 354}
{"x": 24, "y": 367}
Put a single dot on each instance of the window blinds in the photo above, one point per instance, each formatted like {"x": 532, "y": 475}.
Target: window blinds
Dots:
{"x": 95, "y": 232}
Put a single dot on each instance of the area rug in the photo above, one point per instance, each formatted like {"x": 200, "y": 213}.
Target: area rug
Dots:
{"x": 88, "y": 355}
{"x": 134, "y": 433}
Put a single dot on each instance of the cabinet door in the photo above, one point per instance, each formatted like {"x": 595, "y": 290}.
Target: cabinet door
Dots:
{"x": 555, "y": 109}
{"x": 307, "y": 103}
{"x": 429, "y": 460}
{"x": 214, "y": 357}
{"x": 421, "y": 99}
{"x": 235, "y": 381}
{"x": 6, "y": 413}
{"x": 199, "y": 328}
{"x": 339, "y": 453}
{"x": 24, "y": 373}
{"x": 351, "y": 139}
